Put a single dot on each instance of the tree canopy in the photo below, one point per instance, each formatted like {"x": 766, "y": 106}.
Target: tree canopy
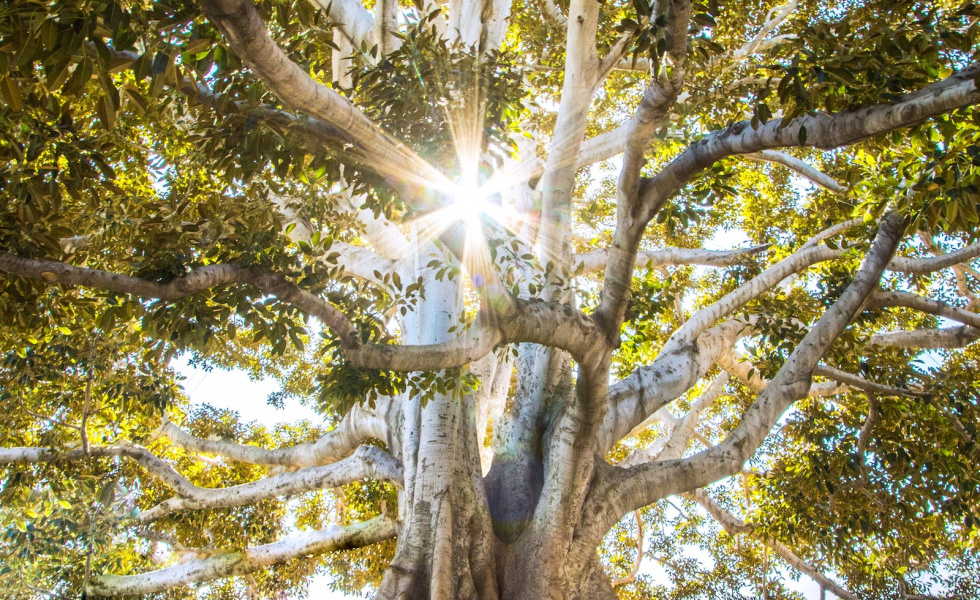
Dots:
{"x": 650, "y": 299}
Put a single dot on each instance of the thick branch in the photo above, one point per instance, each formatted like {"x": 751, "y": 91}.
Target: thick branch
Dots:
{"x": 195, "y": 281}
{"x": 925, "y": 339}
{"x": 820, "y": 131}
{"x": 636, "y": 487}
{"x": 361, "y": 139}
{"x": 673, "y": 372}
{"x": 308, "y": 543}
{"x": 549, "y": 324}
{"x": 352, "y": 19}
{"x": 383, "y": 236}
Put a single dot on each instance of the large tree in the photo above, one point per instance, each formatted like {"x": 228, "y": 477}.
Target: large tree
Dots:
{"x": 475, "y": 236}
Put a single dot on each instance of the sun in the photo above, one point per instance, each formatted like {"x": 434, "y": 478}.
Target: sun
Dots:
{"x": 470, "y": 201}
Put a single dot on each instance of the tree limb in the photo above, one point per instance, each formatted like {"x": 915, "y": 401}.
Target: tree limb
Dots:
{"x": 925, "y": 339}
{"x": 352, "y": 19}
{"x": 308, "y": 543}
{"x": 551, "y": 13}
{"x": 631, "y": 577}
{"x": 936, "y": 263}
{"x": 596, "y": 259}
{"x": 358, "y": 425}
{"x": 819, "y": 131}
{"x": 195, "y": 281}
{"x": 368, "y": 462}
{"x": 362, "y": 140}
{"x": 733, "y": 363}
{"x": 801, "y": 168}
{"x": 674, "y": 371}
{"x": 860, "y": 383}
{"x": 628, "y": 489}
{"x": 550, "y": 324}
{"x": 154, "y": 465}
{"x": 739, "y": 297}
{"x": 883, "y": 299}
{"x": 735, "y": 526}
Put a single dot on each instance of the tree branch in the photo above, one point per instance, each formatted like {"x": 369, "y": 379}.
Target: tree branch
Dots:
{"x": 629, "y": 489}
{"x": 831, "y": 231}
{"x": 358, "y": 425}
{"x": 733, "y": 363}
{"x": 675, "y": 370}
{"x": 883, "y": 299}
{"x": 195, "y": 281}
{"x": 154, "y": 465}
{"x": 768, "y": 279}
{"x": 368, "y": 462}
{"x": 306, "y": 543}
{"x": 819, "y": 131}
{"x": 362, "y": 140}
{"x": 925, "y": 339}
{"x": 551, "y": 13}
{"x": 352, "y": 19}
{"x": 936, "y": 263}
{"x": 801, "y": 168}
{"x": 860, "y": 383}
{"x": 596, "y": 259}
{"x": 631, "y": 577}
{"x": 735, "y": 526}
{"x": 550, "y": 324}
{"x": 383, "y": 235}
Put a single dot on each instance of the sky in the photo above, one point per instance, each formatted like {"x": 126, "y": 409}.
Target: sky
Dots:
{"x": 234, "y": 390}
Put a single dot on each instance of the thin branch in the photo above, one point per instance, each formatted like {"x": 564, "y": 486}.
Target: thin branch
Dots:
{"x": 801, "y": 168}
{"x": 768, "y": 279}
{"x": 307, "y": 543}
{"x": 774, "y": 18}
{"x": 860, "y": 383}
{"x": 153, "y": 464}
{"x": 631, "y": 577}
{"x": 368, "y": 462}
{"x": 735, "y": 526}
{"x": 735, "y": 364}
{"x": 831, "y": 231}
{"x": 195, "y": 281}
{"x": 616, "y": 52}
{"x": 358, "y": 425}
{"x": 936, "y": 263}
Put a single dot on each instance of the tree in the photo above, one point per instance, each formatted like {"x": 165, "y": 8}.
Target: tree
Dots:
{"x": 474, "y": 236}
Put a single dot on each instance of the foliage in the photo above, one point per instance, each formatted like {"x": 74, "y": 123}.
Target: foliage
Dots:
{"x": 133, "y": 140}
